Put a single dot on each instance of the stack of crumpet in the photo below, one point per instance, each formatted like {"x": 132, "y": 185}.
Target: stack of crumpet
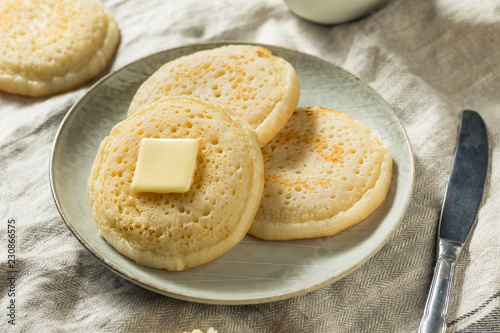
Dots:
{"x": 260, "y": 164}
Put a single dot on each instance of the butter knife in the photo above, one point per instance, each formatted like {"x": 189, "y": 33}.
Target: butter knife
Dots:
{"x": 460, "y": 206}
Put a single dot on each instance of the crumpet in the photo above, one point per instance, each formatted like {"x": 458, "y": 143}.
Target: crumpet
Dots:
{"x": 176, "y": 231}
{"x": 257, "y": 85}
{"x": 324, "y": 171}
{"x": 49, "y": 46}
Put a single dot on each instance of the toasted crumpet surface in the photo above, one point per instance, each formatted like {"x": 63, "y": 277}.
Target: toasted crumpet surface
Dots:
{"x": 49, "y": 46}
{"x": 260, "y": 87}
{"x": 324, "y": 172}
{"x": 176, "y": 231}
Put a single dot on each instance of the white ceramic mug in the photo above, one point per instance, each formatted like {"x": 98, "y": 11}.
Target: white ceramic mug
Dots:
{"x": 331, "y": 11}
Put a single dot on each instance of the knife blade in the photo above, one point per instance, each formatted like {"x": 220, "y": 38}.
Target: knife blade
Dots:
{"x": 460, "y": 206}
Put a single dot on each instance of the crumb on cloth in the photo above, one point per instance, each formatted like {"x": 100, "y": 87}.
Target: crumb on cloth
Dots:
{"x": 210, "y": 330}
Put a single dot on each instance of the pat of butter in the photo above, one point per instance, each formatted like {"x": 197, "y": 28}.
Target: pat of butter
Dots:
{"x": 165, "y": 165}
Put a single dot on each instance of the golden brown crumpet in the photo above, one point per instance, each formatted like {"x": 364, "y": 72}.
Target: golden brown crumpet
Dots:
{"x": 176, "y": 231}
{"x": 49, "y": 46}
{"x": 260, "y": 87}
{"x": 324, "y": 171}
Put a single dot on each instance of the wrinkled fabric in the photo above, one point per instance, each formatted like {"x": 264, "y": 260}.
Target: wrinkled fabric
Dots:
{"x": 428, "y": 59}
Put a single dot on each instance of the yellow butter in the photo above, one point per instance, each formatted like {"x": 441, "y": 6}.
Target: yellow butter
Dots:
{"x": 165, "y": 165}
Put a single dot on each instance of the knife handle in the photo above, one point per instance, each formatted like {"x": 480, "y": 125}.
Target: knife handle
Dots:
{"x": 436, "y": 309}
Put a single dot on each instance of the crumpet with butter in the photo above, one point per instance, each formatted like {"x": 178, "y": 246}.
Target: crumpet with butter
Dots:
{"x": 324, "y": 172}
{"x": 257, "y": 85}
{"x": 50, "y": 46}
{"x": 172, "y": 230}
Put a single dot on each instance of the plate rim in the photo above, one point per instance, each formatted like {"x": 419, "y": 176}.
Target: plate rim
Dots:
{"x": 204, "y": 300}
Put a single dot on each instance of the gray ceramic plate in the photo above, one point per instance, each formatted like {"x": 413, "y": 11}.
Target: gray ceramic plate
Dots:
{"x": 254, "y": 271}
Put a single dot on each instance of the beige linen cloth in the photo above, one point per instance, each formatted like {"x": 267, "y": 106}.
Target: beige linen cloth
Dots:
{"x": 429, "y": 59}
